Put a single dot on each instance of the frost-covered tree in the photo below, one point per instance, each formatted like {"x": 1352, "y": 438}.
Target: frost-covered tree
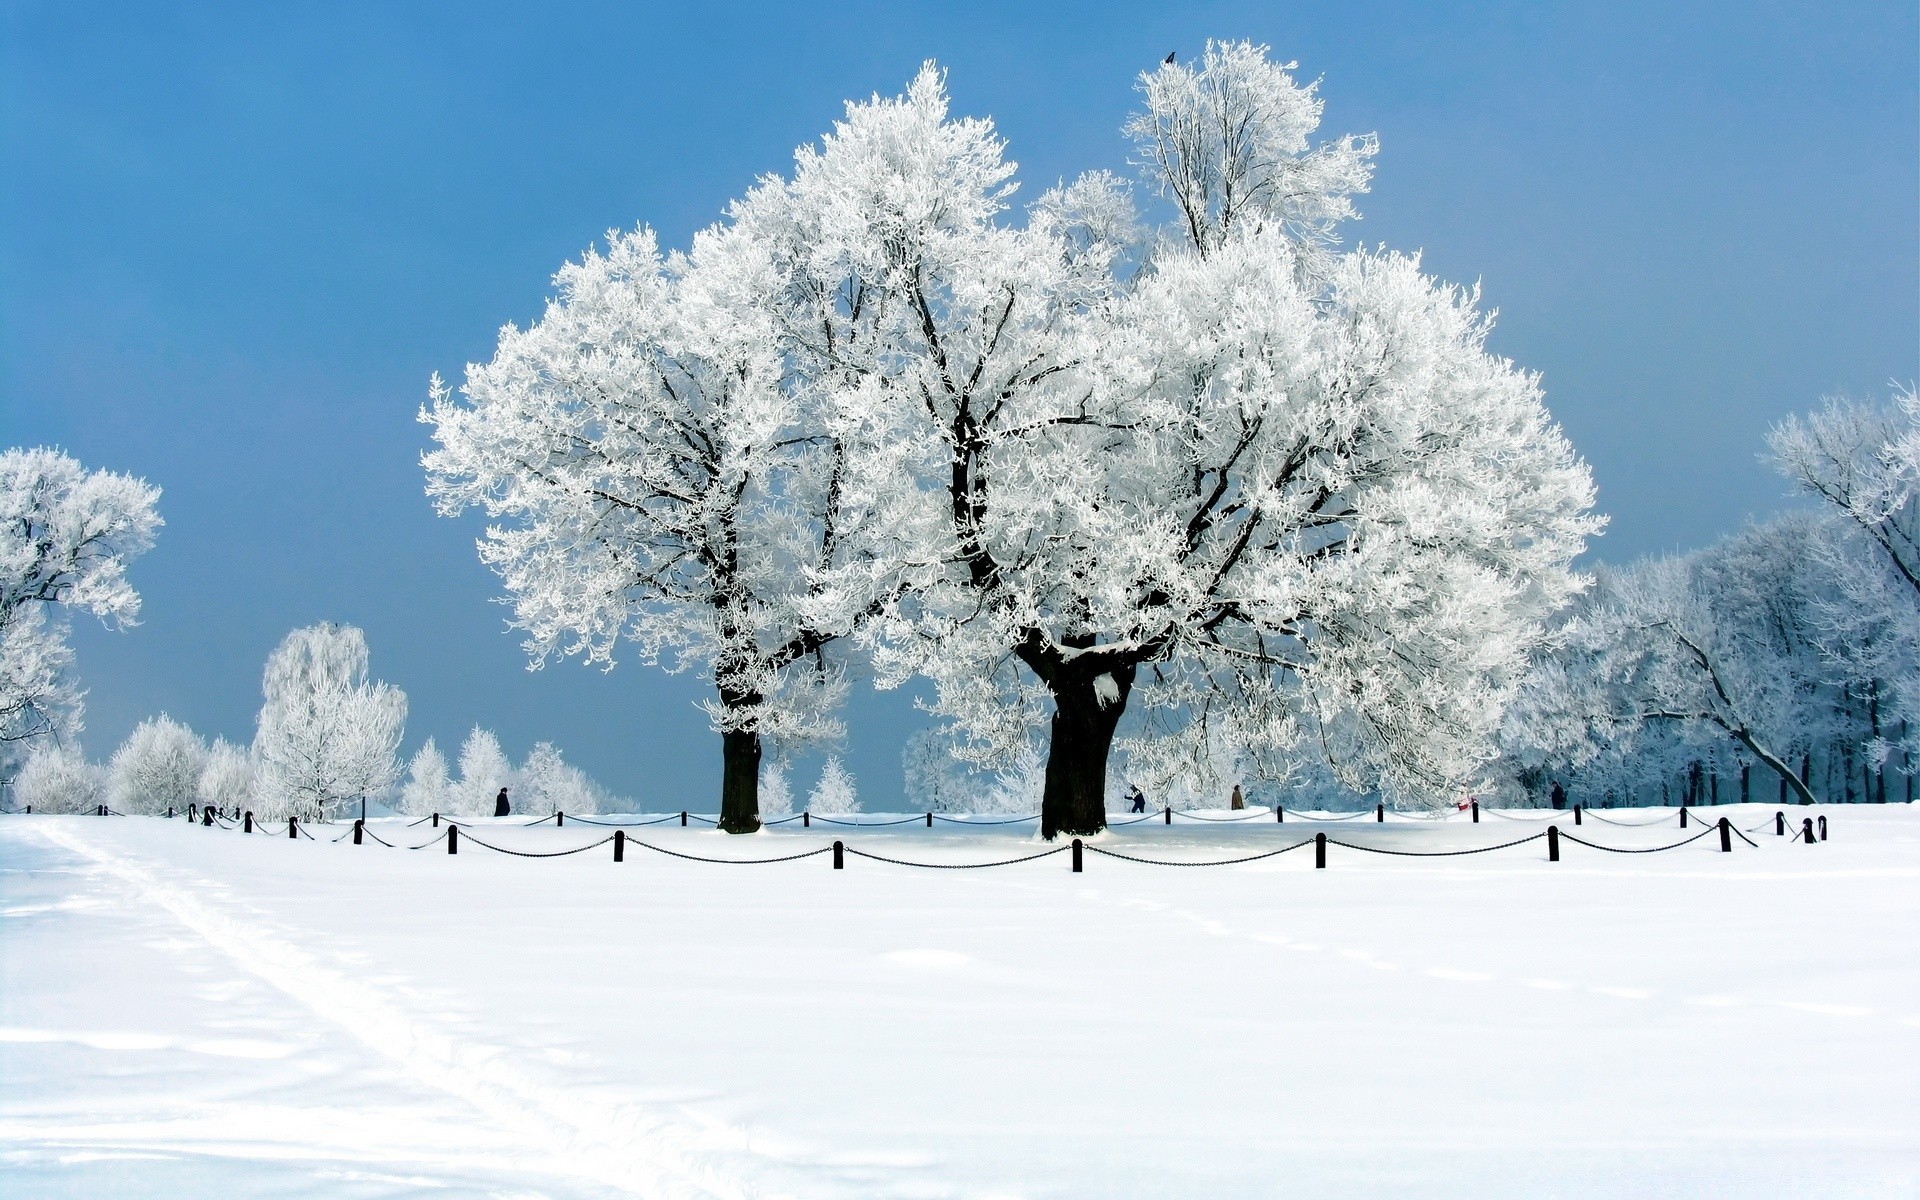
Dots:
{"x": 658, "y": 482}
{"x": 229, "y": 778}
{"x": 1715, "y": 646}
{"x": 934, "y": 778}
{"x": 66, "y": 536}
{"x": 835, "y": 793}
{"x": 776, "y": 794}
{"x": 328, "y": 733}
{"x": 548, "y": 783}
{"x": 57, "y": 778}
{"x": 428, "y": 788}
{"x": 158, "y": 767}
{"x": 1862, "y": 461}
{"x": 484, "y": 770}
{"x": 1285, "y": 502}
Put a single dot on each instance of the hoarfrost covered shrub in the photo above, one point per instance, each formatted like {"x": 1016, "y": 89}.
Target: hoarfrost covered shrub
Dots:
{"x": 547, "y": 783}
{"x": 428, "y": 788}
{"x": 158, "y": 767}
{"x": 66, "y": 536}
{"x": 835, "y": 793}
{"x": 484, "y": 770}
{"x": 228, "y": 779}
{"x": 776, "y": 794}
{"x": 327, "y": 733}
{"x": 59, "y": 779}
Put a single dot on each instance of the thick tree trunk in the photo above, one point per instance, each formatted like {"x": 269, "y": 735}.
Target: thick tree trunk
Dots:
{"x": 740, "y": 781}
{"x": 1075, "y": 799}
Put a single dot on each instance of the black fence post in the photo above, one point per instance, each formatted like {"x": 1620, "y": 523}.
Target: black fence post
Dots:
{"x": 1167, "y": 812}
{"x": 436, "y": 820}
{"x": 929, "y": 820}
{"x": 1576, "y": 814}
{"x": 839, "y": 856}
{"x": 1380, "y": 813}
{"x": 683, "y": 818}
{"x": 619, "y": 845}
{"x": 206, "y": 818}
{"x": 1780, "y": 824}
{"x": 1823, "y": 828}
{"x": 1806, "y": 830}
{"x": 1320, "y": 851}
{"x": 359, "y": 825}
{"x": 453, "y": 838}
{"x": 1279, "y": 814}
{"x": 1476, "y": 812}
{"x": 293, "y": 827}
{"x": 193, "y": 814}
{"x": 1726, "y": 836}
{"x": 169, "y": 811}
{"x": 806, "y": 820}
{"x": 1076, "y": 856}
{"x": 247, "y": 827}
{"x": 1683, "y": 816}
{"x": 1553, "y": 843}
{"x": 559, "y": 819}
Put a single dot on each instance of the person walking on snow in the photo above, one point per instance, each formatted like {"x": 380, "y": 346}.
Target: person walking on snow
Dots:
{"x": 1558, "y": 795}
{"x": 1138, "y": 797}
{"x": 500, "y": 804}
{"x": 1238, "y": 801}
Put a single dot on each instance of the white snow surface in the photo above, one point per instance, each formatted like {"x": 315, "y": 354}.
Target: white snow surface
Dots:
{"x": 195, "y": 1012}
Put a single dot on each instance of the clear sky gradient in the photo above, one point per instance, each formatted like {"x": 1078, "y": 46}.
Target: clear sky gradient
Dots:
{"x": 235, "y": 240}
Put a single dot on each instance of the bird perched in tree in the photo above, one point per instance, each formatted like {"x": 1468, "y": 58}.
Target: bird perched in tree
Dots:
{"x": 1168, "y": 60}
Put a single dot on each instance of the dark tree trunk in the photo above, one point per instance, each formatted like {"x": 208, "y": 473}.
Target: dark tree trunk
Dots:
{"x": 740, "y": 781}
{"x": 1075, "y": 799}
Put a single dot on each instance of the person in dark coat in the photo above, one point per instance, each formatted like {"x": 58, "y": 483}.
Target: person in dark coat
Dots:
{"x": 500, "y": 804}
{"x": 1558, "y": 795}
{"x": 1138, "y": 797}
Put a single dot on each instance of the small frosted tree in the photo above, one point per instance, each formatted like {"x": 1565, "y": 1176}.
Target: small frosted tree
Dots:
{"x": 428, "y": 788}
{"x": 835, "y": 793}
{"x": 328, "y": 733}
{"x": 548, "y": 783}
{"x": 158, "y": 767}
{"x": 228, "y": 779}
{"x": 66, "y": 536}
{"x": 484, "y": 770}
{"x": 58, "y": 778}
{"x": 776, "y": 794}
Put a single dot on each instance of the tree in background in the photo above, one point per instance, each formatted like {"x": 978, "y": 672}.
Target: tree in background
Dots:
{"x": 66, "y": 536}
{"x": 835, "y": 793}
{"x": 548, "y": 783}
{"x": 1862, "y": 461}
{"x": 1719, "y": 645}
{"x": 328, "y": 733}
{"x": 428, "y": 788}
{"x": 230, "y": 776}
{"x": 57, "y": 778}
{"x": 484, "y": 770}
{"x": 157, "y": 768}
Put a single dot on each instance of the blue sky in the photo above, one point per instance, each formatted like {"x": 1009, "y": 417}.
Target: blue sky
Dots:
{"x": 235, "y": 240}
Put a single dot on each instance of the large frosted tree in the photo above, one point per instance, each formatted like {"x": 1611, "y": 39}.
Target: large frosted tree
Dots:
{"x": 66, "y": 536}
{"x": 658, "y": 483}
{"x": 1255, "y": 483}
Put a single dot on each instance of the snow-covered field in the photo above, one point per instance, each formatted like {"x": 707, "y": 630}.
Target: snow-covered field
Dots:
{"x": 194, "y": 1012}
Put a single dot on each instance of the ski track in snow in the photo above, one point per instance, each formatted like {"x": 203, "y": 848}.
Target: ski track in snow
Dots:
{"x": 622, "y": 1146}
